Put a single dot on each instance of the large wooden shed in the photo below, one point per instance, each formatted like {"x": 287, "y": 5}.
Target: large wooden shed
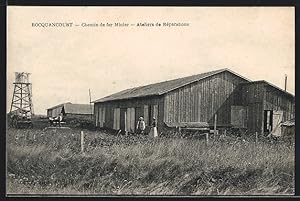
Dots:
{"x": 236, "y": 100}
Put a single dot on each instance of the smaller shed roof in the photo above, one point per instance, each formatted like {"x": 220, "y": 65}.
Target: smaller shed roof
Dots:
{"x": 78, "y": 108}
{"x": 71, "y": 108}
{"x": 59, "y": 105}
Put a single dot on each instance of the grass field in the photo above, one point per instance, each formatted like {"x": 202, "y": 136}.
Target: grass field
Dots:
{"x": 49, "y": 162}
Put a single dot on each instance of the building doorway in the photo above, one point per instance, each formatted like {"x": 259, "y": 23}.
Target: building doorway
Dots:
{"x": 123, "y": 114}
{"x": 150, "y": 111}
{"x": 277, "y": 121}
{"x": 268, "y": 121}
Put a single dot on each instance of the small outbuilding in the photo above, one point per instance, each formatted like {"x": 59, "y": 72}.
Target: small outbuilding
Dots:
{"x": 288, "y": 128}
{"x": 72, "y": 111}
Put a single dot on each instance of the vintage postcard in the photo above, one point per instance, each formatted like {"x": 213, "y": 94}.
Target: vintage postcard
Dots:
{"x": 186, "y": 101}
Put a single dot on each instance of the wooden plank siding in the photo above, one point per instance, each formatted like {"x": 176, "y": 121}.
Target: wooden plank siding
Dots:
{"x": 136, "y": 106}
{"x": 54, "y": 112}
{"x": 252, "y": 96}
{"x": 259, "y": 96}
{"x": 276, "y": 101}
{"x": 199, "y": 101}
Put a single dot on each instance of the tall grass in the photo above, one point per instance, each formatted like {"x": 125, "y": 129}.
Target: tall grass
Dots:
{"x": 52, "y": 163}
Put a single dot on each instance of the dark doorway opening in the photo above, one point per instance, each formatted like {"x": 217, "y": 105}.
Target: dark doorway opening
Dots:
{"x": 268, "y": 121}
{"x": 150, "y": 115}
{"x": 122, "y": 118}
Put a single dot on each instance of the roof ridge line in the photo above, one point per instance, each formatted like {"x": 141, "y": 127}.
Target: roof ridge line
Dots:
{"x": 163, "y": 86}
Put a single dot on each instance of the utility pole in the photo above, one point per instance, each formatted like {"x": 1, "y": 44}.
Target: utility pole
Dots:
{"x": 91, "y": 104}
{"x": 285, "y": 81}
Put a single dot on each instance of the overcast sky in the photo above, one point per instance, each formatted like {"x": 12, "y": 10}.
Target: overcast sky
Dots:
{"x": 257, "y": 43}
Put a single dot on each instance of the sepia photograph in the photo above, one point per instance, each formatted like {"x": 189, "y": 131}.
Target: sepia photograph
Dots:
{"x": 150, "y": 101}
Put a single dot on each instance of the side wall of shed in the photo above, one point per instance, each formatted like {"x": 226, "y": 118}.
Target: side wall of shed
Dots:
{"x": 49, "y": 112}
{"x": 251, "y": 96}
{"x": 78, "y": 116}
{"x": 54, "y": 112}
{"x": 258, "y": 97}
{"x": 278, "y": 101}
{"x": 138, "y": 104}
{"x": 199, "y": 101}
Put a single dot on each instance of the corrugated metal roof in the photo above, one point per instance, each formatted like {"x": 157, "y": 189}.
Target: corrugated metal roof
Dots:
{"x": 71, "y": 108}
{"x": 78, "y": 108}
{"x": 161, "y": 87}
{"x": 59, "y": 105}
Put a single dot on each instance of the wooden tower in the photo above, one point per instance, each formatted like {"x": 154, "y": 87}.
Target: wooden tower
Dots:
{"x": 22, "y": 96}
